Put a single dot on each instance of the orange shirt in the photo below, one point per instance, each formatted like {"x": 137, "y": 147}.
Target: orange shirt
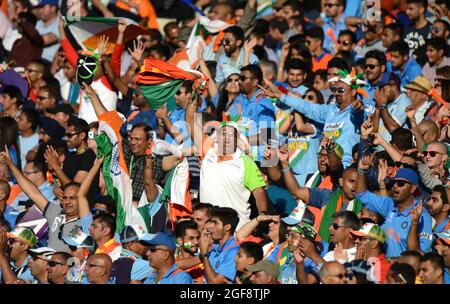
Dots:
{"x": 321, "y": 62}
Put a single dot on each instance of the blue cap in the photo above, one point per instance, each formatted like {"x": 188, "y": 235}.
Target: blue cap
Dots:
{"x": 407, "y": 175}
{"x": 51, "y": 127}
{"x": 161, "y": 239}
{"x": 49, "y": 2}
{"x": 386, "y": 77}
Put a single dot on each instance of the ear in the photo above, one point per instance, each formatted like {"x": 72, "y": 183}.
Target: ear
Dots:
{"x": 413, "y": 189}
{"x": 227, "y": 228}
{"x": 446, "y": 207}
{"x": 239, "y": 42}
{"x": 341, "y": 181}
{"x": 441, "y": 52}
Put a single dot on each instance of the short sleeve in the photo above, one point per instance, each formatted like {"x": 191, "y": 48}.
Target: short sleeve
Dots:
{"x": 86, "y": 222}
{"x": 252, "y": 175}
{"x": 228, "y": 266}
{"x": 319, "y": 197}
{"x": 51, "y": 211}
{"x": 140, "y": 270}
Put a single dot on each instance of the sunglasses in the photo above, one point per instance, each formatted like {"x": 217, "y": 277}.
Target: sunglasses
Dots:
{"x": 336, "y": 226}
{"x": 154, "y": 249}
{"x": 95, "y": 211}
{"x": 73, "y": 248}
{"x": 404, "y": 165}
{"x": 330, "y": 5}
{"x": 339, "y": 90}
{"x": 343, "y": 275}
{"x": 345, "y": 42}
{"x": 70, "y": 135}
{"x": 94, "y": 265}
{"x": 229, "y": 80}
{"x": 244, "y": 78}
{"x": 400, "y": 183}
{"x": 309, "y": 97}
{"x": 436, "y": 29}
{"x": 371, "y": 66}
{"x": 179, "y": 93}
{"x": 54, "y": 263}
{"x": 226, "y": 42}
{"x": 432, "y": 153}
{"x": 41, "y": 98}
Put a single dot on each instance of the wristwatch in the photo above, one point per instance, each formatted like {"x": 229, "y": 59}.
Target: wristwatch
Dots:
{"x": 381, "y": 107}
{"x": 202, "y": 256}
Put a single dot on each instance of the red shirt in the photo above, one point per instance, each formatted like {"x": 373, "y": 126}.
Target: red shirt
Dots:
{"x": 381, "y": 266}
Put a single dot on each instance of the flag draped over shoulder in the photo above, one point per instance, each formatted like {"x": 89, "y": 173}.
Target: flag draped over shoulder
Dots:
{"x": 160, "y": 80}
{"x": 202, "y": 33}
{"x": 87, "y": 30}
{"x": 117, "y": 180}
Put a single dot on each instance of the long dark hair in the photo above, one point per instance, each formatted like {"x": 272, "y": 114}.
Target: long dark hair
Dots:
{"x": 445, "y": 87}
{"x": 223, "y": 98}
{"x": 9, "y": 136}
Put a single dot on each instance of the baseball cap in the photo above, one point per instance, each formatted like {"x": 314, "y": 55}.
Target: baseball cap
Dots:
{"x": 49, "y": 2}
{"x": 266, "y": 266}
{"x": 86, "y": 68}
{"x": 371, "y": 230}
{"x": 387, "y": 77}
{"x": 134, "y": 233}
{"x": 46, "y": 252}
{"x": 62, "y": 107}
{"x": 444, "y": 236}
{"x": 307, "y": 230}
{"x": 24, "y": 234}
{"x": 51, "y": 127}
{"x": 161, "y": 238}
{"x": 408, "y": 175}
{"x": 420, "y": 84}
{"x": 80, "y": 239}
{"x": 300, "y": 214}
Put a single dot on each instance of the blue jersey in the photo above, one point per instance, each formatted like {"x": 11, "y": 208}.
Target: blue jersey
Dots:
{"x": 221, "y": 258}
{"x": 411, "y": 71}
{"x": 225, "y": 65}
{"x": 397, "y": 223}
{"x": 173, "y": 276}
{"x": 341, "y": 126}
{"x": 178, "y": 119}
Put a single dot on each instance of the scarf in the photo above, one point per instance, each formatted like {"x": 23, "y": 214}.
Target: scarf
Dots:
{"x": 334, "y": 205}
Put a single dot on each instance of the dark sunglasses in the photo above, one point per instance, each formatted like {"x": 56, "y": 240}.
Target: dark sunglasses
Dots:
{"x": 73, "y": 248}
{"x": 400, "y": 183}
{"x": 339, "y": 90}
{"x": 95, "y": 211}
{"x": 330, "y": 5}
{"x": 244, "y": 78}
{"x": 309, "y": 97}
{"x": 154, "y": 249}
{"x": 54, "y": 263}
{"x": 336, "y": 226}
{"x": 94, "y": 265}
{"x": 404, "y": 165}
{"x": 70, "y": 135}
{"x": 178, "y": 93}
{"x": 226, "y": 42}
{"x": 41, "y": 97}
{"x": 371, "y": 66}
{"x": 345, "y": 42}
{"x": 229, "y": 80}
{"x": 432, "y": 153}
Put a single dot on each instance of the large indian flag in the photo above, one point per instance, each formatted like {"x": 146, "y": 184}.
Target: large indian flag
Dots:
{"x": 117, "y": 179}
{"x": 87, "y": 30}
{"x": 203, "y": 33}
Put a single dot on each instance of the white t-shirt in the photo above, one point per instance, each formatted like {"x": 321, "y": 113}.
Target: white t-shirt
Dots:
{"x": 48, "y": 53}
{"x": 26, "y": 144}
{"x": 229, "y": 183}
{"x": 329, "y": 257}
{"x": 11, "y": 35}
{"x": 107, "y": 97}
{"x": 5, "y": 25}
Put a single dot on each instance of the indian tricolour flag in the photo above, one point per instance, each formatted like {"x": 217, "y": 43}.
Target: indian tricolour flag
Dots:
{"x": 297, "y": 148}
{"x": 87, "y": 30}
{"x": 203, "y": 33}
{"x": 117, "y": 179}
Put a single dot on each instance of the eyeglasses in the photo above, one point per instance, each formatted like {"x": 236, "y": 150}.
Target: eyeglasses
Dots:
{"x": 244, "y": 78}
{"x": 371, "y": 66}
{"x": 12, "y": 241}
{"x": 154, "y": 249}
{"x": 345, "y": 42}
{"x": 330, "y": 5}
{"x": 42, "y": 98}
{"x": 70, "y": 135}
{"x": 436, "y": 29}
{"x": 229, "y": 80}
{"x": 336, "y": 226}
{"x": 179, "y": 93}
{"x": 339, "y": 90}
{"x": 73, "y": 248}
{"x": 99, "y": 210}
{"x": 54, "y": 263}
{"x": 400, "y": 183}
{"x": 432, "y": 153}
{"x": 309, "y": 97}
{"x": 404, "y": 165}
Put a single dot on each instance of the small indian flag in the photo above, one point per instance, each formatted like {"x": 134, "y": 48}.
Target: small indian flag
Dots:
{"x": 297, "y": 149}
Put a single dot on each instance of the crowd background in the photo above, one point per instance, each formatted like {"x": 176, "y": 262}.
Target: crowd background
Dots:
{"x": 217, "y": 142}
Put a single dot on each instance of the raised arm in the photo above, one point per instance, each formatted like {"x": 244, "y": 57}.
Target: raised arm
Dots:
{"x": 25, "y": 184}
{"x": 248, "y": 228}
{"x": 301, "y": 126}
{"x": 212, "y": 86}
{"x": 99, "y": 108}
{"x": 413, "y": 242}
{"x": 151, "y": 191}
{"x": 83, "y": 203}
{"x": 388, "y": 121}
{"x": 393, "y": 153}
{"x": 289, "y": 178}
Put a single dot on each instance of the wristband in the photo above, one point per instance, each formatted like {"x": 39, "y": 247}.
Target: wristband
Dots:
{"x": 381, "y": 107}
{"x": 414, "y": 223}
{"x": 285, "y": 169}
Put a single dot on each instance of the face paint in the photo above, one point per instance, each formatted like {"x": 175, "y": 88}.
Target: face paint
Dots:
{"x": 187, "y": 245}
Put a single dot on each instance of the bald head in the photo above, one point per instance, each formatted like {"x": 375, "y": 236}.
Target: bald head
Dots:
{"x": 98, "y": 268}
{"x": 429, "y": 131}
{"x": 221, "y": 11}
{"x": 332, "y": 273}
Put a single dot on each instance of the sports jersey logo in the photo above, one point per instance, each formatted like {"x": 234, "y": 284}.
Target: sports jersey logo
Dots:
{"x": 404, "y": 225}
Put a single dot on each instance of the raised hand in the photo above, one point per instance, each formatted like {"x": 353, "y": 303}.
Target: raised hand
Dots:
{"x": 382, "y": 171}
{"x": 380, "y": 97}
{"x": 269, "y": 92}
{"x": 367, "y": 127}
{"x": 138, "y": 50}
{"x": 102, "y": 46}
{"x": 249, "y": 45}
{"x": 377, "y": 139}
{"x": 298, "y": 256}
{"x": 200, "y": 49}
{"x": 121, "y": 25}
{"x": 284, "y": 51}
{"x": 410, "y": 111}
{"x": 416, "y": 213}
{"x": 340, "y": 254}
{"x": 6, "y": 158}
{"x": 283, "y": 154}
{"x": 360, "y": 253}
{"x": 358, "y": 105}
{"x": 327, "y": 143}
{"x": 365, "y": 162}
{"x": 51, "y": 156}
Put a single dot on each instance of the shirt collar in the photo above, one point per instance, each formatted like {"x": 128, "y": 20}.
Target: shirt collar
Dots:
{"x": 170, "y": 271}
{"x": 225, "y": 245}
{"x": 107, "y": 244}
{"x": 407, "y": 210}
{"x": 129, "y": 253}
